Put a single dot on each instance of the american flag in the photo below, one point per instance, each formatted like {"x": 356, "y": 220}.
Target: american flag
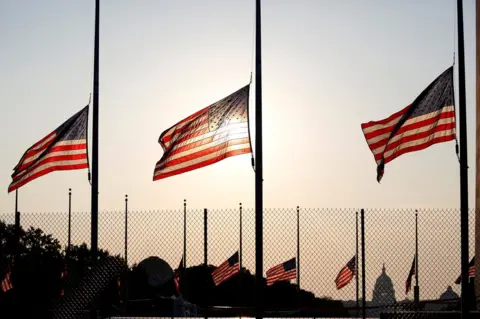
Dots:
{"x": 346, "y": 273}
{"x": 206, "y": 137}
{"x": 471, "y": 271}
{"x": 284, "y": 271}
{"x": 408, "y": 283}
{"x": 430, "y": 119}
{"x": 7, "y": 282}
{"x": 226, "y": 270}
{"x": 63, "y": 276}
{"x": 177, "y": 275}
{"x": 63, "y": 149}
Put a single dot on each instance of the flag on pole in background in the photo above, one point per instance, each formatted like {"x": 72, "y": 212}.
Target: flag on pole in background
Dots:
{"x": 7, "y": 282}
{"x": 346, "y": 273}
{"x": 206, "y": 137}
{"x": 177, "y": 275}
{"x": 284, "y": 271}
{"x": 63, "y": 276}
{"x": 471, "y": 271}
{"x": 408, "y": 283}
{"x": 226, "y": 270}
{"x": 430, "y": 119}
{"x": 63, "y": 149}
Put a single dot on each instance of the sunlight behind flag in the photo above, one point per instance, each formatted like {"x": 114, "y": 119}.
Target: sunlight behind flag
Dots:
{"x": 206, "y": 137}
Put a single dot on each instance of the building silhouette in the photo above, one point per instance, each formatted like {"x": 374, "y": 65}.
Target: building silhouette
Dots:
{"x": 383, "y": 291}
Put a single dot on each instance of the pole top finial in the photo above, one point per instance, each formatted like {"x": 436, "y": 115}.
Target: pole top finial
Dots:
{"x": 126, "y": 196}
{"x": 184, "y": 201}
{"x": 240, "y": 204}
{"x": 69, "y": 190}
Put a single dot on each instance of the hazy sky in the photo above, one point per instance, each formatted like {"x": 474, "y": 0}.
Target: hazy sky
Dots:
{"x": 328, "y": 66}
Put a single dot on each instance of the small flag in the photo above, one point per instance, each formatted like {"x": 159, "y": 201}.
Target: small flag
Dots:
{"x": 119, "y": 288}
{"x": 63, "y": 149}
{"x": 63, "y": 276}
{"x": 471, "y": 271}
{"x": 429, "y": 120}
{"x": 346, "y": 273}
{"x": 206, "y": 137}
{"x": 7, "y": 282}
{"x": 226, "y": 270}
{"x": 408, "y": 283}
{"x": 282, "y": 272}
{"x": 177, "y": 276}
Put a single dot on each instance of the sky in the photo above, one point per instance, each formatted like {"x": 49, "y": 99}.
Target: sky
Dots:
{"x": 327, "y": 67}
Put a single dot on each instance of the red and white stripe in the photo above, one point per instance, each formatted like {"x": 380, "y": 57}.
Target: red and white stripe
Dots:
{"x": 63, "y": 155}
{"x": 191, "y": 145}
{"x": 344, "y": 277}
{"x": 6, "y": 282}
{"x": 224, "y": 272}
{"x": 278, "y": 273}
{"x": 415, "y": 134}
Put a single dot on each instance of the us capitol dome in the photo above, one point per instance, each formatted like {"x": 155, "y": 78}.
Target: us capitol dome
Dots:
{"x": 383, "y": 292}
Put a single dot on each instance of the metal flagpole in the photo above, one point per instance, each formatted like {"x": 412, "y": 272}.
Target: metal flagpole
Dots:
{"x": 17, "y": 228}
{"x": 416, "y": 289}
{"x": 205, "y": 241}
{"x": 477, "y": 165}
{"x": 298, "y": 247}
{"x": 69, "y": 220}
{"x": 241, "y": 243}
{"x": 125, "y": 288}
{"x": 126, "y": 229}
{"x": 258, "y": 166}
{"x": 463, "y": 162}
{"x": 362, "y": 221}
{"x": 240, "y": 250}
{"x": 94, "y": 222}
{"x": 205, "y": 238}
{"x": 356, "y": 261}
{"x": 184, "y": 234}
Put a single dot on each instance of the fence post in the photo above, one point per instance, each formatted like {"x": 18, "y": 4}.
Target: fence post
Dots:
{"x": 205, "y": 239}
{"x": 356, "y": 264}
{"x": 298, "y": 247}
{"x": 362, "y": 221}
{"x": 69, "y": 221}
{"x": 185, "y": 234}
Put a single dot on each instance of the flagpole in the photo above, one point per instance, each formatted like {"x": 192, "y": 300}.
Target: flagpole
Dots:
{"x": 94, "y": 222}
{"x": 205, "y": 238}
{"x": 416, "y": 289}
{"x": 362, "y": 221}
{"x": 125, "y": 288}
{"x": 126, "y": 230}
{"x": 356, "y": 259}
{"x": 258, "y": 166}
{"x": 185, "y": 234}
{"x": 205, "y": 241}
{"x": 241, "y": 242}
{"x": 69, "y": 220}
{"x": 477, "y": 183}
{"x": 17, "y": 227}
{"x": 298, "y": 247}
{"x": 240, "y": 259}
{"x": 463, "y": 162}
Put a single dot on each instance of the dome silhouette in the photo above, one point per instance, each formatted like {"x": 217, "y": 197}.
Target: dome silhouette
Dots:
{"x": 383, "y": 291}
{"x": 449, "y": 294}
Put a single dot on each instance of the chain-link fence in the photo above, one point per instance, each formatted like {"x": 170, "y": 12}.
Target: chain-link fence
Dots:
{"x": 48, "y": 277}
